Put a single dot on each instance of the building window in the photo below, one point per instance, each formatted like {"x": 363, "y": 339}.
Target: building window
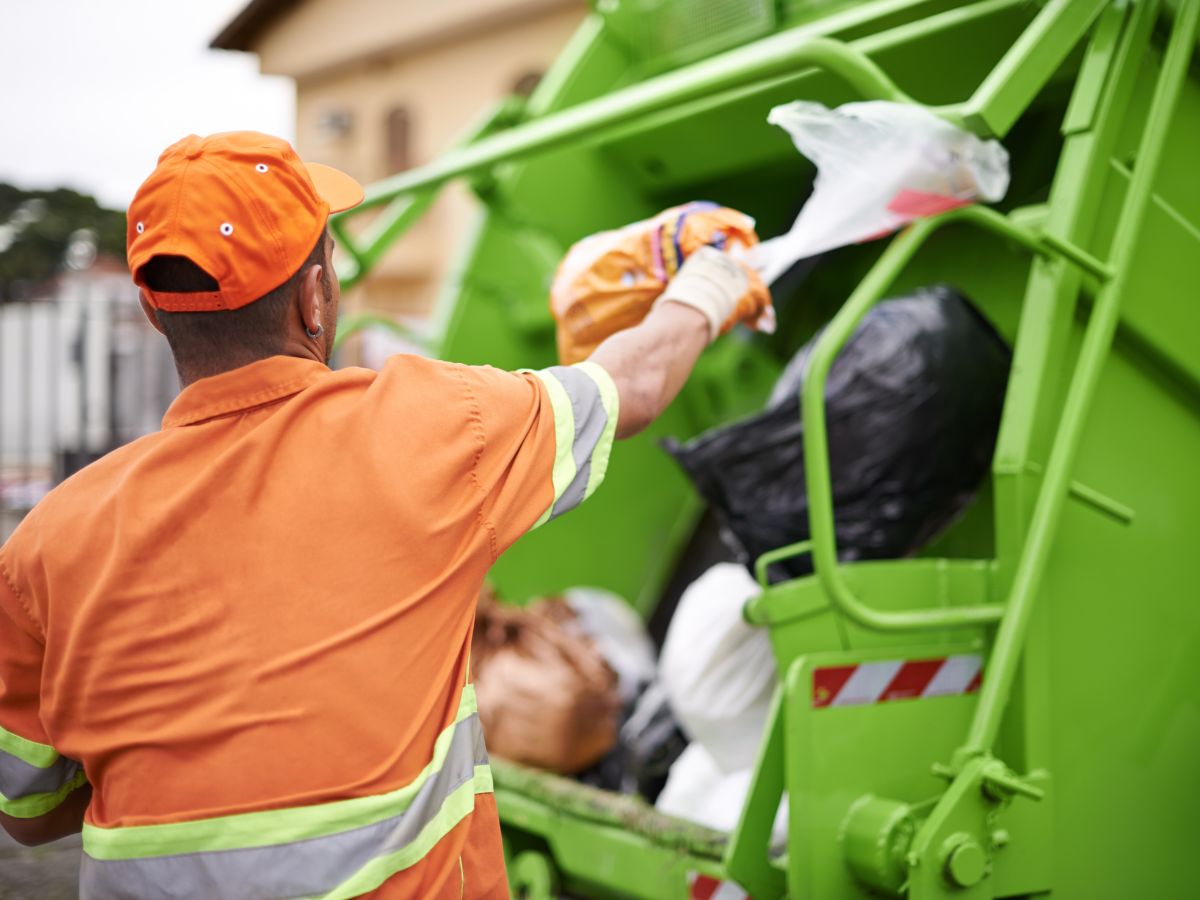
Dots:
{"x": 398, "y": 139}
{"x": 335, "y": 124}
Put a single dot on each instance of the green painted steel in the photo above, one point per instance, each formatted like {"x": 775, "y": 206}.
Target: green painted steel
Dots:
{"x": 1071, "y": 772}
{"x": 1097, "y": 344}
{"x": 817, "y": 475}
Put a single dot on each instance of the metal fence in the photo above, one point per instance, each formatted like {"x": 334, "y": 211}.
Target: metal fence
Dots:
{"x": 81, "y": 373}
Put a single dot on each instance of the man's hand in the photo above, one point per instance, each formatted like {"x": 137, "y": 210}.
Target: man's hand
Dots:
{"x": 650, "y": 362}
{"x": 64, "y": 819}
{"x": 721, "y": 288}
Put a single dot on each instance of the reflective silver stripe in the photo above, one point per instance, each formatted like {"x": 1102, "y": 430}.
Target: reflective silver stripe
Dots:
{"x": 20, "y": 779}
{"x": 590, "y": 421}
{"x": 305, "y": 868}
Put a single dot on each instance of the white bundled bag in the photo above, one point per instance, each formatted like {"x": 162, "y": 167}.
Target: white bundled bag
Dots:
{"x": 618, "y": 634}
{"x": 879, "y": 166}
{"x": 717, "y": 671}
{"x": 719, "y": 675}
{"x": 697, "y": 790}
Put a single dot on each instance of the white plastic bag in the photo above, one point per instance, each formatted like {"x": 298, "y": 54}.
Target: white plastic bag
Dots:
{"x": 879, "y": 166}
{"x": 618, "y": 634}
{"x": 697, "y": 790}
{"x": 718, "y": 671}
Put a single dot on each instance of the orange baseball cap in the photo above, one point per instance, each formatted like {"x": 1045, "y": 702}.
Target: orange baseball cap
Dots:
{"x": 242, "y": 206}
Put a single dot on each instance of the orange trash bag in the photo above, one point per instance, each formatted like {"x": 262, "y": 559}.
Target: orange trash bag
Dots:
{"x": 609, "y": 281}
{"x": 547, "y": 698}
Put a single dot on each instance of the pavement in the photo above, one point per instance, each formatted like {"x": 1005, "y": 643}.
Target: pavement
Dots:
{"x": 49, "y": 872}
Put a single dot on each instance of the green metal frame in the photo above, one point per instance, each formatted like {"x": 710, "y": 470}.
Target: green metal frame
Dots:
{"x": 992, "y": 108}
{"x": 1013, "y": 615}
{"x": 816, "y": 447}
{"x": 1098, "y": 338}
{"x": 402, "y": 210}
{"x": 908, "y": 831}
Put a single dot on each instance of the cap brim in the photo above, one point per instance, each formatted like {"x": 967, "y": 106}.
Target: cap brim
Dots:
{"x": 335, "y": 187}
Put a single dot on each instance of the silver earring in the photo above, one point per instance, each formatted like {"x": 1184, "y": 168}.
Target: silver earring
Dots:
{"x": 315, "y": 334}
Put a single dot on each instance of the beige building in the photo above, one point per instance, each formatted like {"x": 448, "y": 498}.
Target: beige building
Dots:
{"x": 384, "y": 85}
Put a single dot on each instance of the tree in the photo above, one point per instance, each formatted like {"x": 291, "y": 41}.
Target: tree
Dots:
{"x": 35, "y": 230}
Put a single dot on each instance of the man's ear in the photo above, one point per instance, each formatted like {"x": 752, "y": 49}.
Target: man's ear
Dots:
{"x": 150, "y": 312}
{"x": 312, "y": 298}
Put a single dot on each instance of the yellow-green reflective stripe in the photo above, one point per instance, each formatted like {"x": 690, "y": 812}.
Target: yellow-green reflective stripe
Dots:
{"x": 564, "y": 440}
{"x": 34, "y": 805}
{"x": 310, "y": 867}
{"x": 41, "y": 755}
{"x": 612, "y": 406}
{"x": 19, "y": 779}
{"x": 276, "y": 826}
{"x": 458, "y": 806}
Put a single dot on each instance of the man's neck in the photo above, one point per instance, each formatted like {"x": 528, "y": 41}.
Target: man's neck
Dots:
{"x": 190, "y": 373}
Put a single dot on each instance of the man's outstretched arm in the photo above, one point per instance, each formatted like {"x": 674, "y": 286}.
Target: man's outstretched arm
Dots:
{"x": 650, "y": 362}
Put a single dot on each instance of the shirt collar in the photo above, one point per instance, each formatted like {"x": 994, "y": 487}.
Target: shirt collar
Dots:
{"x": 261, "y": 382}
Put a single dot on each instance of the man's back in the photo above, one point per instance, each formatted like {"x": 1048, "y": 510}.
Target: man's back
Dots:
{"x": 252, "y": 630}
{"x": 268, "y": 606}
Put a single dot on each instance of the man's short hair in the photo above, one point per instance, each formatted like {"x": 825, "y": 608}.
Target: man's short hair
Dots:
{"x": 207, "y": 340}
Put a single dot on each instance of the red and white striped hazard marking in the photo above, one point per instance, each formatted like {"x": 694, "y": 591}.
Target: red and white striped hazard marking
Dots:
{"x": 896, "y": 679}
{"x": 705, "y": 887}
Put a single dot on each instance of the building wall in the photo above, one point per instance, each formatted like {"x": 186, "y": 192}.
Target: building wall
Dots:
{"x": 430, "y": 70}
{"x": 315, "y": 35}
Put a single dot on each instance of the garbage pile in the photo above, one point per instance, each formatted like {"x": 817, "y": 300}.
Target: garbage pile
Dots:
{"x": 913, "y": 405}
{"x": 912, "y": 410}
{"x": 547, "y": 695}
{"x": 573, "y": 685}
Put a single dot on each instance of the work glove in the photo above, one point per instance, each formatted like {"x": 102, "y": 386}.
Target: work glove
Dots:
{"x": 609, "y": 281}
{"x": 723, "y": 289}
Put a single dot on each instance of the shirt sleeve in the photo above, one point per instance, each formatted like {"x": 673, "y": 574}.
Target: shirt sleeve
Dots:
{"x": 34, "y": 778}
{"x": 547, "y": 436}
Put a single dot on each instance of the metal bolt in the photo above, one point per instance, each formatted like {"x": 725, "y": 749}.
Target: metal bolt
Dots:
{"x": 1000, "y": 838}
{"x": 966, "y": 864}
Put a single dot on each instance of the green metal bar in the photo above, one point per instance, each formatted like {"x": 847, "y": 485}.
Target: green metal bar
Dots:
{"x": 872, "y": 45}
{"x": 1079, "y": 256}
{"x": 1106, "y": 505}
{"x": 402, "y": 212}
{"x": 368, "y": 248}
{"x": 816, "y": 450}
{"x": 353, "y": 264}
{"x": 1010, "y": 87}
{"x": 748, "y": 855}
{"x": 1098, "y": 501}
{"x": 760, "y": 61}
{"x": 352, "y": 324}
{"x": 1095, "y": 72}
{"x": 1097, "y": 343}
{"x": 773, "y": 556}
{"x": 816, "y": 445}
{"x": 994, "y": 106}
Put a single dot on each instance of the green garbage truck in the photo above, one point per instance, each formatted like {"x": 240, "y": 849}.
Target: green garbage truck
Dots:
{"x": 1071, "y": 767}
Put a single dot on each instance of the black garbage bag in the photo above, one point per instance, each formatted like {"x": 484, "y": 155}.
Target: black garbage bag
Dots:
{"x": 913, "y": 405}
{"x": 649, "y": 742}
{"x": 652, "y": 740}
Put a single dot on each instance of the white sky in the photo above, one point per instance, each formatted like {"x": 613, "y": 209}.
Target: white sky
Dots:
{"x": 91, "y": 91}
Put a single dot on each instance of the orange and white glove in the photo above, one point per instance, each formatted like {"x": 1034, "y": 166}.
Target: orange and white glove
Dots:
{"x": 723, "y": 289}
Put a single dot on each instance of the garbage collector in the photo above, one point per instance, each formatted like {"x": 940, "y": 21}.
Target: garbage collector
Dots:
{"x": 235, "y": 652}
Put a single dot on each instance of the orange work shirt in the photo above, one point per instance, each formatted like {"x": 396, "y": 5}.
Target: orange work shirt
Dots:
{"x": 250, "y": 631}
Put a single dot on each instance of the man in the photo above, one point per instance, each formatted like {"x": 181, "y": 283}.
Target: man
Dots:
{"x": 235, "y": 653}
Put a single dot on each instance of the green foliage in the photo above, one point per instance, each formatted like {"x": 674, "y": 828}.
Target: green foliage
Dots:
{"x": 40, "y": 231}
